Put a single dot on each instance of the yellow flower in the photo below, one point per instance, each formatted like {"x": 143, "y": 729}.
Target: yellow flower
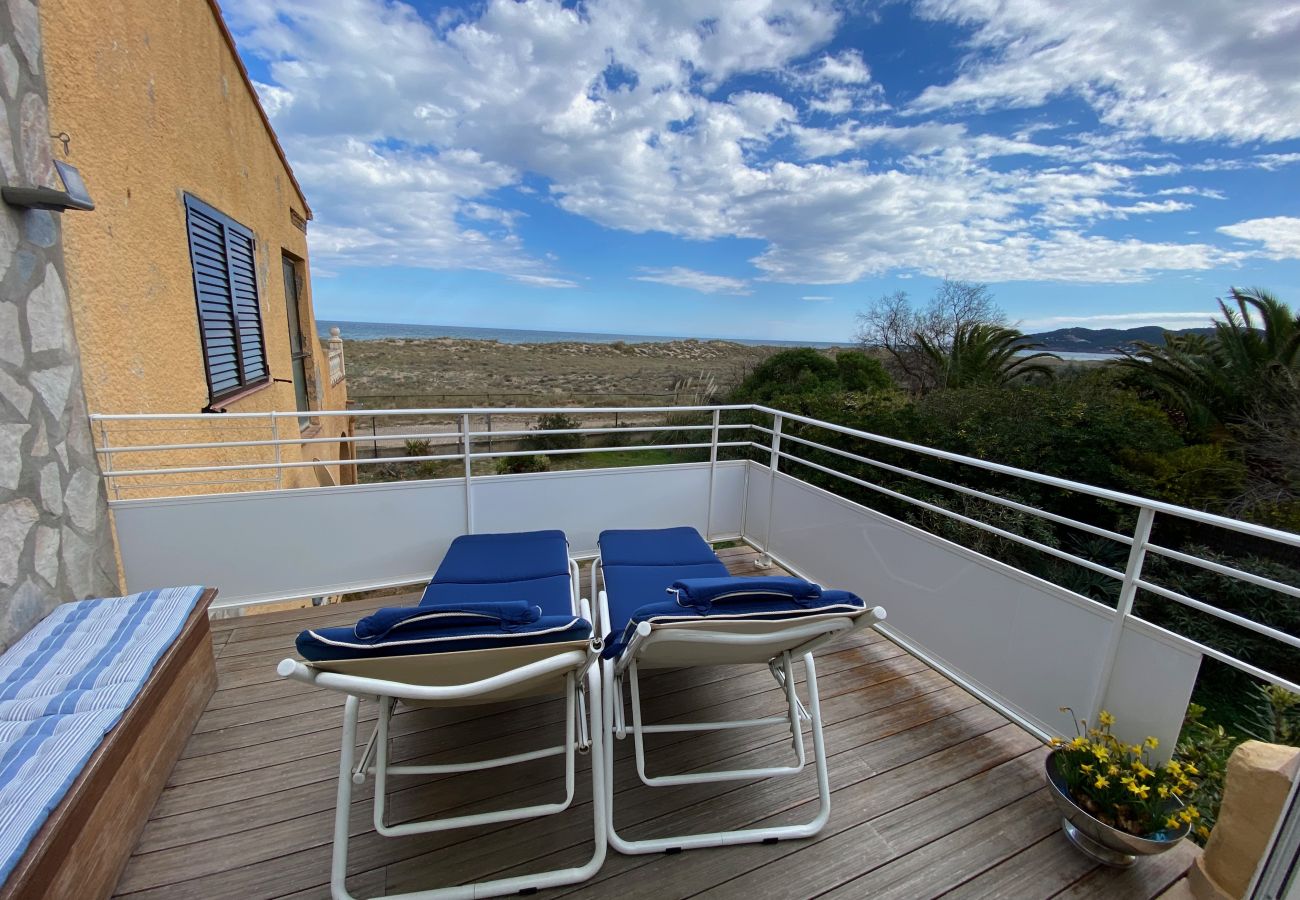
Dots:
{"x": 1192, "y": 769}
{"x": 1171, "y": 822}
{"x": 1176, "y": 791}
{"x": 1078, "y": 743}
{"x": 1086, "y": 767}
{"x": 1129, "y": 780}
{"x": 1142, "y": 770}
{"x": 1185, "y": 815}
{"x": 1056, "y": 742}
{"x": 1101, "y": 782}
{"x": 1152, "y": 743}
{"x": 1163, "y": 790}
{"x": 1102, "y": 754}
{"x": 1193, "y": 812}
{"x": 1113, "y": 770}
{"x": 1106, "y": 719}
{"x": 1202, "y": 831}
{"x": 1174, "y": 767}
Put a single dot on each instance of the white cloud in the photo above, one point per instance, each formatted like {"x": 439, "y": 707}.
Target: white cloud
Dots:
{"x": 678, "y": 276}
{"x": 413, "y": 137}
{"x": 1176, "y": 70}
{"x": 1172, "y": 321}
{"x": 1280, "y": 235}
{"x": 816, "y": 297}
{"x": 544, "y": 281}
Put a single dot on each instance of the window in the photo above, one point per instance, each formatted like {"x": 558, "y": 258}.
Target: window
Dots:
{"x": 225, "y": 288}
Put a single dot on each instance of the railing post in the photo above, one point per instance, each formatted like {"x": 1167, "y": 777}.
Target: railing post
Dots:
{"x": 469, "y": 474}
{"x": 713, "y": 468}
{"x": 1127, "y": 592}
{"x": 773, "y": 466}
{"x": 108, "y": 460}
{"x": 275, "y": 436}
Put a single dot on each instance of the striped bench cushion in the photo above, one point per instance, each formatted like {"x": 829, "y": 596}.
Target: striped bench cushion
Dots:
{"x": 63, "y": 686}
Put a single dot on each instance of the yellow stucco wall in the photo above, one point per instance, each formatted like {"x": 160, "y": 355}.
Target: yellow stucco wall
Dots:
{"x": 156, "y": 106}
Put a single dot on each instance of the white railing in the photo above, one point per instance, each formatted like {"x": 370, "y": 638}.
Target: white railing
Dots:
{"x": 784, "y": 446}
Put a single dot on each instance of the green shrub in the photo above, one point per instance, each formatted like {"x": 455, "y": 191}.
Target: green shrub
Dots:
{"x": 858, "y": 372}
{"x": 516, "y": 465}
{"x": 555, "y": 421}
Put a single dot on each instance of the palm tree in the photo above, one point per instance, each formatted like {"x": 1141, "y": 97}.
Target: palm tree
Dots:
{"x": 1225, "y": 378}
{"x": 982, "y": 353}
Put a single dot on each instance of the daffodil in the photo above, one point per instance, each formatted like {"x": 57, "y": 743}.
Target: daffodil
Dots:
{"x": 1152, "y": 743}
{"x": 1171, "y": 822}
{"x": 1101, "y": 782}
{"x": 1086, "y": 767}
{"x": 1106, "y": 719}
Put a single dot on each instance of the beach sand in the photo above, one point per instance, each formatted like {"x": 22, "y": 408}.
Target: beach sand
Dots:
{"x": 408, "y": 373}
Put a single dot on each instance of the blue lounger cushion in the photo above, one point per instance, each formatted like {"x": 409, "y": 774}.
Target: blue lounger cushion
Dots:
{"x": 754, "y": 607}
{"x": 491, "y": 568}
{"x": 407, "y": 631}
{"x": 63, "y": 686}
{"x": 672, "y": 574}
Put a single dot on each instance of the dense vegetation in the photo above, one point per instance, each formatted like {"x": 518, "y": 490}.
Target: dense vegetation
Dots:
{"x": 1209, "y": 422}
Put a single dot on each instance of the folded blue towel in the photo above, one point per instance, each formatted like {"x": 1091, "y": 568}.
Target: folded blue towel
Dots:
{"x": 706, "y": 593}
{"x": 389, "y": 620}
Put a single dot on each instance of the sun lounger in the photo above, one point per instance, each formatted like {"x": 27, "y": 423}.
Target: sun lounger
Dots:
{"x": 668, "y": 601}
{"x": 501, "y": 619}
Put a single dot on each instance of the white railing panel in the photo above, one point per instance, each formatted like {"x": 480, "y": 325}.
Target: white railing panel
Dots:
{"x": 1034, "y": 645}
{"x": 276, "y": 545}
{"x": 273, "y": 545}
{"x": 584, "y": 503}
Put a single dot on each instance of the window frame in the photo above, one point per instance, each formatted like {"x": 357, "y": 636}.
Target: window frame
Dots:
{"x": 229, "y": 227}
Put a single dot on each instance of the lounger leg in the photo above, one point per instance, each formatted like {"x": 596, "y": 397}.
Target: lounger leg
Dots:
{"x": 739, "y": 836}
{"x": 343, "y": 802}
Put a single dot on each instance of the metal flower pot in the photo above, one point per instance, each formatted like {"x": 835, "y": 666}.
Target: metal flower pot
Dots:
{"x": 1101, "y": 842}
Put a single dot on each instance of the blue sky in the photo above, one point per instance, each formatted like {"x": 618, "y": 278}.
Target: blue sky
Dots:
{"x": 767, "y": 168}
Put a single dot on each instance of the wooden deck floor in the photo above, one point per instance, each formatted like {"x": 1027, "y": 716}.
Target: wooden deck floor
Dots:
{"x": 934, "y": 793}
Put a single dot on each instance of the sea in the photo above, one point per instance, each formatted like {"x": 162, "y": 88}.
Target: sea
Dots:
{"x": 373, "y": 331}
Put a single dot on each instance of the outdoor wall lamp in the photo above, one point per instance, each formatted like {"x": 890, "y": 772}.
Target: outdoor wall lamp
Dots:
{"x": 73, "y": 196}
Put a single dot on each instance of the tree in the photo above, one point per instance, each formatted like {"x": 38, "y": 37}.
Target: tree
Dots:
{"x": 980, "y": 354}
{"x": 893, "y": 323}
{"x": 1242, "y": 370}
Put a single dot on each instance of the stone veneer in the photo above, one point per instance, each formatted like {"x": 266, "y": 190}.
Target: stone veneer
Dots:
{"x": 56, "y": 542}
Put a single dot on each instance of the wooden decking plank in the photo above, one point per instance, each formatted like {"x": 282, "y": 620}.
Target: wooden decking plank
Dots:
{"x": 1040, "y": 870}
{"x": 959, "y": 856}
{"x": 754, "y": 869}
{"x": 651, "y": 804}
{"x": 1149, "y": 878}
{"x": 253, "y": 788}
{"x": 871, "y": 841}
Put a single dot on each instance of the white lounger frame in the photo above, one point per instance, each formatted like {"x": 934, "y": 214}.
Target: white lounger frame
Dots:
{"x": 799, "y": 639}
{"x": 580, "y": 734}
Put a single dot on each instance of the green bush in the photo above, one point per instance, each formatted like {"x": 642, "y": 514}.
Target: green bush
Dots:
{"x": 555, "y": 421}
{"x": 858, "y": 372}
{"x": 516, "y": 465}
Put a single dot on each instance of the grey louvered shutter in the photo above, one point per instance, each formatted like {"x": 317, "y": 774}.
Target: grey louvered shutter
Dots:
{"x": 225, "y": 287}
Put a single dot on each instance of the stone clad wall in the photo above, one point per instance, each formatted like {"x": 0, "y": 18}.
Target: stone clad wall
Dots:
{"x": 55, "y": 538}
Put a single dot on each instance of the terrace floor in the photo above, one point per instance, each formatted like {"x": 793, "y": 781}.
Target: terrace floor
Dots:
{"x": 934, "y": 793}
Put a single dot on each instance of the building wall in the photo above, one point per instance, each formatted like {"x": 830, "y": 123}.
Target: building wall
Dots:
{"x": 156, "y": 105}
{"x": 56, "y": 543}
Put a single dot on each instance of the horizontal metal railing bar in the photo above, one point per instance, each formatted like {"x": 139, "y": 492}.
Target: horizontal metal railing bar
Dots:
{"x": 371, "y": 460}
{"x": 1249, "y": 624}
{"x": 568, "y": 450}
{"x": 971, "y": 492}
{"x": 370, "y": 438}
{"x": 1260, "y": 531}
{"x": 622, "y": 429}
{"x": 272, "y": 464}
{"x": 1228, "y": 571}
{"x": 441, "y": 411}
{"x": 278, "y": 442}
{"x": 967, "y": 520}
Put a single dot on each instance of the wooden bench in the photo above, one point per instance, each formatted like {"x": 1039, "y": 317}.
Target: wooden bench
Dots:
{"x": 83, "y": 846}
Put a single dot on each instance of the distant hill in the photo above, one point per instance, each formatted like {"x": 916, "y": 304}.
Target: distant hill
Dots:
{"x": 1105, "y": 340}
